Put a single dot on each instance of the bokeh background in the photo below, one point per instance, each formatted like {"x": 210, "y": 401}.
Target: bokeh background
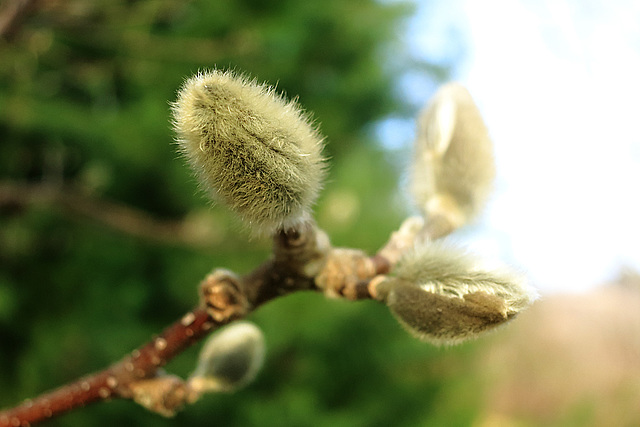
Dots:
{"x": 104, "y": 235}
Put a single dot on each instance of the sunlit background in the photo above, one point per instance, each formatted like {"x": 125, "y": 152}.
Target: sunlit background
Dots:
{"x": 558, "y": 84}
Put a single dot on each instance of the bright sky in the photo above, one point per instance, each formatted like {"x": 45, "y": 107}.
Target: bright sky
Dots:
{"x": 558, "y": 82}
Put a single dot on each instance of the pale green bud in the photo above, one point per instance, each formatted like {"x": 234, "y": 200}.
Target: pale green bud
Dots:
{"x": 445, "y": 296}
{"x": 453, "y": 168}
{"x": 230, "y": 359}
{"x": 257, "y": 152}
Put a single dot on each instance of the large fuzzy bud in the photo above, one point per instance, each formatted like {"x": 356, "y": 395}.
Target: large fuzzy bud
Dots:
{"x": 453, "y": 170}
{"x": 445, "y": 296}
{"x": 256, "y": 151}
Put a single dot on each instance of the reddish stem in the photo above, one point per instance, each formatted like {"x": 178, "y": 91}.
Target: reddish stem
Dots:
{"x": 80, "y": 393}
{"x": 225, "y": 297}
{"x": 114, "y": 381}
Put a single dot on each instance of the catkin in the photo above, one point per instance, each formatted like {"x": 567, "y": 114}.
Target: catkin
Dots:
{"x": 453, "y": 167}
{"x": 445, "y": 296}
{"x": 255, "y": 151}
{"x": 230, "y": 359}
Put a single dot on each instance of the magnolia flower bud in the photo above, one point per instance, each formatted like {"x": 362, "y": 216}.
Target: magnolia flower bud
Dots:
{"x": 230, "y": 359}
{"x": 258, "y": 153}
{"x": 445, "y": 297}
{"x": 453, "y": 170}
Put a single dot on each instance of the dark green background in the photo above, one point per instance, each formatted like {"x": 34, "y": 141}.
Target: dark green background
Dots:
{"x": 85, "y": 88}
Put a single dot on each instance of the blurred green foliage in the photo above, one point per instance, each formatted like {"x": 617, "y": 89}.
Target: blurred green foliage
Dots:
{"x": 85, "y": 88}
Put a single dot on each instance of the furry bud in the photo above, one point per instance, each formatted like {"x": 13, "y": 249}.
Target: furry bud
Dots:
{"x": 453, "y": 170}
{"x": 230, "y": 359}
{"x": 258, "y": 153}
{"x": 444, "y": 297}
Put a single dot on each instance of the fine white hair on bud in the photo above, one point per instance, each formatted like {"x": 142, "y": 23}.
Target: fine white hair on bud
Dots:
{"x": 230, "y": 359}
{"x": 444, "y": 296}
{"x": 453, "y": 168}
{"x": 255, "y": 151}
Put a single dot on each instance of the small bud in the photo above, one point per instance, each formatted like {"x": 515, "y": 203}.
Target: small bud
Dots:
{"x": 230, "y": 359}
{"x": 445, "y": 297}
{"x": 453, "y": 170}
{"x": 258, "y": 153}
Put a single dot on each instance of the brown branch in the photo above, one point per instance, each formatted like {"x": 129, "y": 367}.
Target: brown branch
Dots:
{"x": 13, "y": 15}
{"x": 126, "y": 378}
{"x": 122, "y": 218}
{"x": 303, "y": 260}
{"x": 115, "y": 381}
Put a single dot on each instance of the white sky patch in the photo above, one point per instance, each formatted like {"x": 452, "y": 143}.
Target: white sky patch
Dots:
{"x": 558, "y": 82}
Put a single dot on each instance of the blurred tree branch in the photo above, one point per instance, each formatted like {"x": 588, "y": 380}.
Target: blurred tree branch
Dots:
{"x": 12, "y": 15}
{"x": 125, "y": 219}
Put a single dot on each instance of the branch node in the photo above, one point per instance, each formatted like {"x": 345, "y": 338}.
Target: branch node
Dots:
{"x": 165, "y": 394}
{"x": 222, "y": 296}
{"x": 343, "y": 273}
